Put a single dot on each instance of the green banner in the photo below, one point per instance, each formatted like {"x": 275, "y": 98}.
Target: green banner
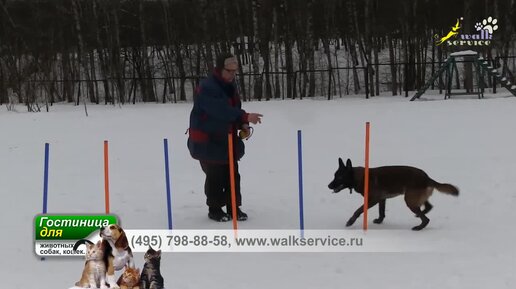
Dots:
{"x": 69, "y": 227}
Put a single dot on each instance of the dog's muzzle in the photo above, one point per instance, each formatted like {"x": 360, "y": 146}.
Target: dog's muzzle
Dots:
{"x": 342, "y": 187}
{"x": 103, "y": 233}
{"x": 338, "y": 189}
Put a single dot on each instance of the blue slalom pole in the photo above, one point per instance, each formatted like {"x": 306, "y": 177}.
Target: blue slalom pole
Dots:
{"x": 45, "y": 182}
{"x": 167, "y": 180}
{"x": 300, "y": 171}
{"x": 45, "y": 179}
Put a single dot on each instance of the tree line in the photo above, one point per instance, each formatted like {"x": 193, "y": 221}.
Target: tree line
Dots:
{"x": 128, "y": 51}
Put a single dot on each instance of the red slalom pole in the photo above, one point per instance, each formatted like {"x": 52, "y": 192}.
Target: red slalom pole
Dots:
{"x": 232, "y": 181}
{"x": 106, "y": 176}
{"x": 366, "y": 176}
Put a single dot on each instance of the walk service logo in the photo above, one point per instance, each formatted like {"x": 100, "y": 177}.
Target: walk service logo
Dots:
{"x": 482, "y": 37}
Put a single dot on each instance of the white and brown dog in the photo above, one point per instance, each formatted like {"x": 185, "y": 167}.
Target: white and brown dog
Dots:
{"x": 117, "y": 250}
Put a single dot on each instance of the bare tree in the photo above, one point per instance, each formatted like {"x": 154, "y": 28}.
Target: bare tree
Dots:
{"x": 144, "y": 61}
{"x": 392, "y": 58}
{"x": 80, "y": 46}
{"x": 255, "y": 44}
{"x": 468, "y": 66}
{"x": 277, "y": 49}
{"x": 289, "y": 61}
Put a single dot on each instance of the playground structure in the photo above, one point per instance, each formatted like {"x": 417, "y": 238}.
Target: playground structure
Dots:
{"x": 482, "y": 68}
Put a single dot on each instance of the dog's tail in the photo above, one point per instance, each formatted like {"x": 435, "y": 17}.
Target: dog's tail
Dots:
{"x": 448, "y": 189}
{"x": 80, "y": 242}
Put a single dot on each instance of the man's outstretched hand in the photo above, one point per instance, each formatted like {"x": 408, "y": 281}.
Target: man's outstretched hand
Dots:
{"x": 254, "y": 118}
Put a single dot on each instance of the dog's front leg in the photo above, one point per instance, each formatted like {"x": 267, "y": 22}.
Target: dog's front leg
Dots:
{"x": 358, "y": 212}
{"x": 110, "y": 274}
{"x": 355, "y": 216}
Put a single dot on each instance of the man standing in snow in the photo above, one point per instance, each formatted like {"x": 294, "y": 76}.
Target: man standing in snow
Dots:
{"x": 217, "y": 112}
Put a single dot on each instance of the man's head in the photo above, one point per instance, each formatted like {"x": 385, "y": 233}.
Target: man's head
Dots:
{"x": 227, "y": 64}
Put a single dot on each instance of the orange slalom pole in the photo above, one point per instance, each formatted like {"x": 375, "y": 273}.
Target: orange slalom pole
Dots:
{"x": 366, "y": 176}
{"x": 106, "y": 176}
{"x": 232, "y": 181}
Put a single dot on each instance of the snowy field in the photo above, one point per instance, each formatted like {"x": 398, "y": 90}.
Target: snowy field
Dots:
{"x": 464, "y": 141}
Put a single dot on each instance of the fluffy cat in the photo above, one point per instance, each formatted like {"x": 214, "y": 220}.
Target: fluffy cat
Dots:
{"x": 151, "y": 277}
{"x": 130, "y": 279}
{"x": 94, "y": 272}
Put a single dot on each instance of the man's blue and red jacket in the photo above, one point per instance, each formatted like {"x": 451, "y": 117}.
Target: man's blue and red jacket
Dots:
{"x": 216, "y": 112}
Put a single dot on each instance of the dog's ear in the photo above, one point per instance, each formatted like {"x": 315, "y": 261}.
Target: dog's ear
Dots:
{"x": 105, "y": 244}
{"x": 122, "y": 242}
{"x": 341, "y": 163}
{"x": 348, "y": 164}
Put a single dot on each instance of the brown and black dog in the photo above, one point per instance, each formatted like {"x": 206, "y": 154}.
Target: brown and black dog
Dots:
{"x": 388, "y": 182}
{"x": 117, "y": 251}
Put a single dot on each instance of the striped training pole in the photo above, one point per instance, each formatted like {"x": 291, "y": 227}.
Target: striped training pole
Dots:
{"x": 366, "y": 176}
{"x": 300, "y": 177}
{"x": 167, "y": 183}
{"x": 45, "y": 182}
{"x": 232, "y": 181}
{"x": 106, "y": 176}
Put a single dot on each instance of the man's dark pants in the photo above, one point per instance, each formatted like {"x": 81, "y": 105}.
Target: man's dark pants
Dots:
{"x": 217, "y": 185}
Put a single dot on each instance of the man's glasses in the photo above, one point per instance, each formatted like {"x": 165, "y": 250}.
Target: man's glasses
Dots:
{"x": 231, "y": 70}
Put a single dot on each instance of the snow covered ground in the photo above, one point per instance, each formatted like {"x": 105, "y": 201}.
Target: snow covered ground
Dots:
{"x": 463, "y": 141}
